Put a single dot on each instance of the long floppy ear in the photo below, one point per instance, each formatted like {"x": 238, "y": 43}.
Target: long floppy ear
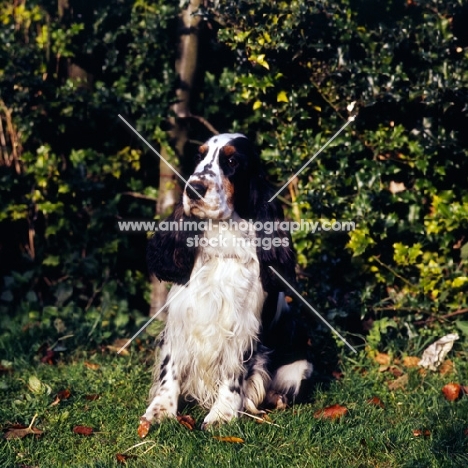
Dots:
{"x": 276, "y": 247}
{"x": 170, "y": 253}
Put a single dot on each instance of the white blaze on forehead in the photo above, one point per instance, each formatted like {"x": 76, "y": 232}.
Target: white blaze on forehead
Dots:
{"x": 214, "y": 144}
{"x": 218, "y": 141}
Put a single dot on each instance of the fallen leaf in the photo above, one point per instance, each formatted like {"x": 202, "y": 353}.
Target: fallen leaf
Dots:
{"x": 83, "y": 430}
{"x": 395, "y": 371}
{"x": 49, "y": 357}
{"x": 92, "y": 397}
{"x": 232, "y": 440}
{"x": 419, "y": 433}
{"x": 187, "y": 421}
{"x": 337, "y": 375}
{"x": 446, "y": 367}
{"x": 331, "y": 412}
{"x": 34, "y": 384}
{"x": 263, "y": 419}
{"x": 20, "y": 432}
{"x": 376, "y": 401}
{"x": 117, "y": 345}
{"x": 383, "y": 359}
{"x": 465, "y": 432}
{"x": 123, "y": 457}
{"x": 411, "y": 361}
{"x": 399, "y": 383}
{"x": 451, "y": 391}
{"x": 64, "y": 394}
{"x": 144, "y": 427}
{"x": 91, "y": 365}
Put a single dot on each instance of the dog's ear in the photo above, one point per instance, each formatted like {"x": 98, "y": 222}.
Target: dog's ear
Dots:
{"x": 276, "y": 248}
{"x": 171, "y": 252}
{"x": 252, "y": 203}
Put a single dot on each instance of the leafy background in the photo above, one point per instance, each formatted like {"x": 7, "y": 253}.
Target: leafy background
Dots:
{"x": 283, "y": 73}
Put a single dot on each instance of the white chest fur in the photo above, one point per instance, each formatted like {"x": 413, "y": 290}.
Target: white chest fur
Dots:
{"x": 216, "y": 319}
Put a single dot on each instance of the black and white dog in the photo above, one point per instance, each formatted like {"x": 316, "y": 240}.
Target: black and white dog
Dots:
{"x": 230, "y": 342}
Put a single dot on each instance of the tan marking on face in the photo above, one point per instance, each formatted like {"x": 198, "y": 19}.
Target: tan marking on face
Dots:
{"x": 203, "y": 149}
{"x": 228, "y": 150}
{"x": 228, "y": 188}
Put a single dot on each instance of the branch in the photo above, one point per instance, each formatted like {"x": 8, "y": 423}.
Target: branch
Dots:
{"x": 140, "y": 195}
{"x": 442, "y": 317}
{"x": 203, "y": 121}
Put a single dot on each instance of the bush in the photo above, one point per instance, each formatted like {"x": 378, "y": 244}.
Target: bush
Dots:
{"x": 287, "y": 74}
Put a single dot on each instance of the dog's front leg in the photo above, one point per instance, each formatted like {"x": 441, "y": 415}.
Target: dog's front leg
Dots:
{"x": 164, "y": 393}
{"x": 227, "y": 404}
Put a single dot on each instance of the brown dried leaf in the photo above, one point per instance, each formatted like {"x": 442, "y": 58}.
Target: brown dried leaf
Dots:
{"x": 187, "y": 421}
{"x": 232, "y": 440}
{"x": 451, "y": 391}
{"x": 398, "y": 384}
{"x": 64, "y": 394}
{"x": 19, "y": 433}
{"x": 92, "y": 397}
{"x": 395, "y": 371}
{"x": 123, "y": 457}
{"x": 117, "y": 345}
{"x": 144, "y": 427}
{"x": 419, "y": 433}
{"x": 49, "y": 357}
{"x": 331, "y": 412}
{"x": 83, "y": 430}
{"x": 376, "y": 401}
{"x": 446, "y": 367}
{"x": 91, "y": 365}
{"x": 383, "y": 359}
{"x": 411, "y": 361}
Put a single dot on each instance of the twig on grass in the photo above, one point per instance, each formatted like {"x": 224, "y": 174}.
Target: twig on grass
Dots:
{"x": 259, "y": 419}
{"x": 137, "y": 445}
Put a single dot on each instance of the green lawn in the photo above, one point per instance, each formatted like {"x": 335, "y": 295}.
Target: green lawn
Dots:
{"x": 108, "y": 394}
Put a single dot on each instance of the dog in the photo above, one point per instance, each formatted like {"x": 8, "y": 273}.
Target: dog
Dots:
{"x": 230, "y": 342}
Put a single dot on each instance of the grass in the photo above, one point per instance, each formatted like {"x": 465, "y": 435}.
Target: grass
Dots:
{"x": 367, "y": 436}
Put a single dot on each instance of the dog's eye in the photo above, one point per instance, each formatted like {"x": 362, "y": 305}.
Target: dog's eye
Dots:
{"x": 198, "y": 158}
{"x": 232, "y": 162}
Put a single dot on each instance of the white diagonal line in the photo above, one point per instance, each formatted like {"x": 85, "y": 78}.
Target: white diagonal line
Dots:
{"x": 313, "y": 310}
{"x": 159, "y": 156}
{"x": 158, "y": 312}
{"x": 351, "y": 119}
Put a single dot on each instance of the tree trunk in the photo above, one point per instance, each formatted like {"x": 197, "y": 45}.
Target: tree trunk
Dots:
{"x": 186, "y": 68}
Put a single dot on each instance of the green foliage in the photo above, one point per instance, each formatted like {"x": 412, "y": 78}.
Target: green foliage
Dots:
{"x": 399, "y": 171}
{"x": 287, "y": 75}
{"x": 62, "y": 255}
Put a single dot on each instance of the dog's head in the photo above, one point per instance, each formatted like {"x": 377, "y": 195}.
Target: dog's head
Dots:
{"x": 222, "y": 180}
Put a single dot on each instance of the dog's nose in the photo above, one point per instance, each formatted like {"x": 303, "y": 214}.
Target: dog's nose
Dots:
{"x": 196, "y": 191}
